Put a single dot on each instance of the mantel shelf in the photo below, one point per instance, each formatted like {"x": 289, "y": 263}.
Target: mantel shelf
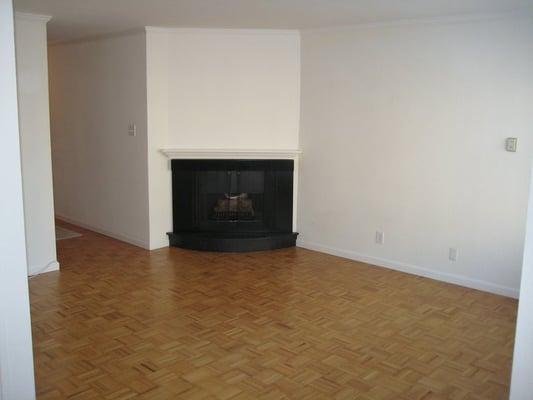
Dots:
{"x": 243, "y": 154}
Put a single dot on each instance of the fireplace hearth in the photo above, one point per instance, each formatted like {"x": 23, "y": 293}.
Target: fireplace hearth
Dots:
{"x": 232, "y": 205}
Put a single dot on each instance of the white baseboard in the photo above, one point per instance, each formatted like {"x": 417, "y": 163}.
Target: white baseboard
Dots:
{"x": 159, "y": 245}
{"x": 118, "y": 236}
{"x": 158, "y": 241}
{"x": 413, "y": 269}
{"x": 38, "y": 270}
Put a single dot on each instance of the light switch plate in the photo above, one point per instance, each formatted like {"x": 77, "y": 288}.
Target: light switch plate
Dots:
{"x": 132, "y": 130}
{"x": 511, "y": 144}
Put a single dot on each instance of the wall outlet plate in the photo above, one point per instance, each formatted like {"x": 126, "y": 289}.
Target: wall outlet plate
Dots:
{"x": 511, "y": 144}
{"x": 380, "y": 237}
{"x": 452, "y": 254}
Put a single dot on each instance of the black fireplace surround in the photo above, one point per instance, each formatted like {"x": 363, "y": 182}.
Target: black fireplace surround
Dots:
{"x": 232, "y": 205}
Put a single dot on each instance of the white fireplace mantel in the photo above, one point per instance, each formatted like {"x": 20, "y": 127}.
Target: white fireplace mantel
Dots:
{"x": 224, "y": 154}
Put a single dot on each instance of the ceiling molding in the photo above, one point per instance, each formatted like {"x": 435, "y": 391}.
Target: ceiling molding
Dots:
{"x": 156, "y": 29}
{"x": 33, "y": 17}
{"x": 96, "y": 38}
{"x": 223, "y": 31}
{"x": 526, "y": 13}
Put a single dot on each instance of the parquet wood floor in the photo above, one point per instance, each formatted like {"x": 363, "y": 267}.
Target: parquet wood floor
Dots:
{"x": 119, "y": 322}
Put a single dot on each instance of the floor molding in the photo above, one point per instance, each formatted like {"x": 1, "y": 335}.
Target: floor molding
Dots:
{"x": 118, "y": 236}
{"x": 50, "y": 267}
{"x": 413, "y": 269}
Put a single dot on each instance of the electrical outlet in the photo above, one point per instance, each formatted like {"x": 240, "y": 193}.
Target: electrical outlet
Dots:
{"x": 511, "y": 144}
{"x": 452, "y": 254}
{"x": 380, "y": 237}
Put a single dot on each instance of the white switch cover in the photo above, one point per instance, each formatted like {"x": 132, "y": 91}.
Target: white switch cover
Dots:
{"x": 511, "y": 144}
{"x": 380, "y": 237}
{"x": 132, "y": 130}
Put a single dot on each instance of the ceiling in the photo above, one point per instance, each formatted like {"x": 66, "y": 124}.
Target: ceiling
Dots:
{"x": 75, "y": 19}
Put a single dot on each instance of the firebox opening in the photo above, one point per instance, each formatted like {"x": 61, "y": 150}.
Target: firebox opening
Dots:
{"x": 234, "y": 208}
{"x": 232, "y": 205}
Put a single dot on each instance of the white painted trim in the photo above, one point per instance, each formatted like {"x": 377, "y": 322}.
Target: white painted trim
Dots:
{"x": 413, "y": 269}
{"x": 222, "y": 31}
{"x": 53, "y": 266}
{"x": 105, "y": 232}
{"x": 32, "y": 17}
{"x": 157, "y": 247}
{"x": 95, "y": 38}
{"x": 228, "y": 154}
{"x": 526, "y": 12}
{"x": 50, "y": 267}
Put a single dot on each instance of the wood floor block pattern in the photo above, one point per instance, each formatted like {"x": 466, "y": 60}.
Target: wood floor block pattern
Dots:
{"x": 119, "y": 322}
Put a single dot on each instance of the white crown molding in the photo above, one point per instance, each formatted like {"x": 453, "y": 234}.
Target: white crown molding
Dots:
{"x": 227, "y": 154}
{"x": 523, "y": 13}
{"x": 221, "y": 31}
{"x": 33, "y": 17}
{"x": 96, "y": 38}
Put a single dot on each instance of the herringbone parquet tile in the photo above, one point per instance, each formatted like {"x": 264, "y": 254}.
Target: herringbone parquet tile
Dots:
{"x": 119, "y": 322}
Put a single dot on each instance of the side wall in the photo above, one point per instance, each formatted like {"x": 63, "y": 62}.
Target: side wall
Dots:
{"x": 523, "y": 352}
{"x": 16, "y": 358}
{"x": 217, "y": 89}
{"x": 98, "y": 88}
{"x": 34, "y": 119}
{"x": 403, "y": 129}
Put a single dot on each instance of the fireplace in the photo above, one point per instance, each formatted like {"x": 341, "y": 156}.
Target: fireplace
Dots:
{"x": 232, "y": 205}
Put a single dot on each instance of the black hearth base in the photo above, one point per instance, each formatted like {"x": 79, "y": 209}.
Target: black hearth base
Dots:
{"x": 232, "y": 242}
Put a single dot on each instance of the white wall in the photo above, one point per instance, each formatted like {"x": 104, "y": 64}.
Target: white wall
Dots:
{"x": 34, "y": 119}
{"x": 98, "y": 88}
{"x": 16, "y": 359}
{"x": 217, "y": 89}
{"x": 403, "y": 129}
{"x": 523, "y": 352}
